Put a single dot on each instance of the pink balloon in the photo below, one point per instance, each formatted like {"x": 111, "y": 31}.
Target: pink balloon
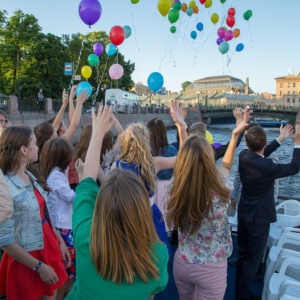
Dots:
{"x": 116, "y": 71}
{"x": 228, "y": 35}
{"x": 221, "y": 32}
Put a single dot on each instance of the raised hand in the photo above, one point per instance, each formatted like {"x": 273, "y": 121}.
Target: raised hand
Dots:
{"x": 238, "y": 114}
{"x": 82, "y": 97}
{"x": 176, "y": 114}
{"x": 65, "y": 98}
{"x": 72, "y": 92}
{"x": 103, "y": 122}
{"x": 285, "y": 132}
{"x": 244, "y": 123}
{"x": 108, "y": 158}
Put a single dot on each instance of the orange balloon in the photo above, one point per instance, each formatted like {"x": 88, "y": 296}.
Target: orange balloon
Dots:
{"x": 196, "y": 9}
{"x": 184, "y": 7}
{"x": 236, "y": 32}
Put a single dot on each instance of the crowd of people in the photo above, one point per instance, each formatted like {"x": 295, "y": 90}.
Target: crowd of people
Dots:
{"x": 94, "y": 220}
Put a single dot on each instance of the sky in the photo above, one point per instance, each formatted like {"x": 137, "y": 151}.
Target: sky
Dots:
{"x": 270, "y": 38}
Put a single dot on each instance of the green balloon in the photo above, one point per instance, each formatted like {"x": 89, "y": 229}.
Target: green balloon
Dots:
{"x": 223, "y": 1}
{"x": 250, "y": 12}
{"x": 173, "y": 15}
{"x": 93, "y": 59}
{"x": 173, "y": 28}
{"x": 177, "y": 5}
{"x": 247, "y": 15}
{"x": 135, "y": 1}
{"x": 224, "y": 47}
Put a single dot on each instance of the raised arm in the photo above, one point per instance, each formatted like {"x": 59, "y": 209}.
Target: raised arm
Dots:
{"x": 60, "y": 114}
{"x": 76, "y": 117}
{"x": 102, "y": 123}
{"x": 71, "y": 103}
{"x": 285, "y": 132}
{"x": 179, "y": 121}
{"x": 227, "y": 162}
{"x": 119, "y": 128}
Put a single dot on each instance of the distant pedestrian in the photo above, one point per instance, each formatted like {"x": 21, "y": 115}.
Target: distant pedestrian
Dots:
{"x": 41, "y": 98}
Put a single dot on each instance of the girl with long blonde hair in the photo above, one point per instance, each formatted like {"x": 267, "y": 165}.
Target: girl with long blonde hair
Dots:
{"x": 136, "y": 156}
{"x": 119, "y": 255}
{"x": 198, "y": 208}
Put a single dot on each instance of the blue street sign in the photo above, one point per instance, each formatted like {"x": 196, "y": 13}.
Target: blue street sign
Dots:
{"x": 68, "y": 68}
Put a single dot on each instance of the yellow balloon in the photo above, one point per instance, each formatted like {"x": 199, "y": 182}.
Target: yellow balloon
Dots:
{"x": 214, "y": 18}
{"x": 163, "y": 7}
{"x": 208, "y": 3}
{"x": 192, "y": 4}
{"x": 209, "y": 137}
{"x": 86, "y": 72}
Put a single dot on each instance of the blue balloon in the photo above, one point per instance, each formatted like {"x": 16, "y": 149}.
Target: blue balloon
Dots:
{"x": 193, "y": 34}
{"x": 127, "y": 30}
{"x": 155, "y": 81}
{"x": 84, "y": 86}
{"x": 199, "y": 26}
{"x": 239, "y": 47}
{"x": 110, "y": 49}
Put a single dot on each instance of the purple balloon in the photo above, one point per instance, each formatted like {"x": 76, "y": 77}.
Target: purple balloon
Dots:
{"x": 89, "y": 11}
{"x": 219, "y": 40}
{"x": 98, "y": 49}
{"x": 217, "y": 144}
{"x": 221, "y": 32}
{"x": 228, "y": 35}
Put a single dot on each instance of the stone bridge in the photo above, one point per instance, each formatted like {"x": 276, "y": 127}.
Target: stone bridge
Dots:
{"x": 224, "y": 114}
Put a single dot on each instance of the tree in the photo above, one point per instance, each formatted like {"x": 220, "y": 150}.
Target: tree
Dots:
{"x": 184, "y": 85}
{"x": 100, "y": 79}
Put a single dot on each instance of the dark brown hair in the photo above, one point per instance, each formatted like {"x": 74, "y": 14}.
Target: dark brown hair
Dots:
{"x": 107, "y": 144}
{"x": 56, "y": 152}
{"x": 256, "y": 138}
{"x": 84, "y": 142}
{"x": 11, "y": 140}
{"x": 158, "y": 135}
{"x": 43, "y": 132}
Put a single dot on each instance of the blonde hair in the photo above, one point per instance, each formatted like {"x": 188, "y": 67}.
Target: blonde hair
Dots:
{"x": 122, "y": 233}
{"x": 196, "y": 179}
{"x": 135, "y": 148}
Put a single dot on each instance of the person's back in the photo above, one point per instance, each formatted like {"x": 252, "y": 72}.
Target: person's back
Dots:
{"x": 256, "y": 209}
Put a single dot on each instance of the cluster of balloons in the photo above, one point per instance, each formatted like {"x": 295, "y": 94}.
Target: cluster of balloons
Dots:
{"x": 225, "y": 35}
{"x": 172, "y": 8}
{"x": 89, "y": 11}
{"x": 155, "y": 81}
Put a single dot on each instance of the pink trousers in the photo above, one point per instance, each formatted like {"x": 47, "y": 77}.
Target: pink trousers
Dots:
{"x": 199, "y": 281}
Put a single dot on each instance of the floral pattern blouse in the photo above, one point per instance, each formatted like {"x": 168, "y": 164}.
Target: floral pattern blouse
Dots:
{"x": 212, "y": 242}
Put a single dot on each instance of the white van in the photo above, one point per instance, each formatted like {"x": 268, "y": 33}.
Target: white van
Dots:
{"x": 119, "y": 98}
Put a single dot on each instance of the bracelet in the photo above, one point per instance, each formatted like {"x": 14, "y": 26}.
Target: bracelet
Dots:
{"x": 37, "y": 266}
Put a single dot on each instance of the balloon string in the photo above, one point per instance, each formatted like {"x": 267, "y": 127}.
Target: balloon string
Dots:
{"x": 78, "y": 61}
{"x": 99, "y": 82}
{"x": 135, "y": 35}
{"x": 252, "y": 41}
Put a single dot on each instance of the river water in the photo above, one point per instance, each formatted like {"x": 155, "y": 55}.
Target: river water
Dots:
{"x": 288, "y": 187}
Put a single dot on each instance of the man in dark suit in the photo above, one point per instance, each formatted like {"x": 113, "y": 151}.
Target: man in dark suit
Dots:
{"x": 256, "y": 209}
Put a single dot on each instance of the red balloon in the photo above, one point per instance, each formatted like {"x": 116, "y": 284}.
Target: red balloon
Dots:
{"x": 202, "y": 1}
{"x": 230, "y": 21}
{"x": 231, "y": 11}
{"x": 117, "y": 35}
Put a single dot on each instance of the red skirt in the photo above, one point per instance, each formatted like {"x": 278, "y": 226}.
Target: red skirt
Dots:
{"x": 18, "y": 281}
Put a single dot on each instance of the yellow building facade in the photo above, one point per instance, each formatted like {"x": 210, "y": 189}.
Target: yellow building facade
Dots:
{"x": 288, "y": 90}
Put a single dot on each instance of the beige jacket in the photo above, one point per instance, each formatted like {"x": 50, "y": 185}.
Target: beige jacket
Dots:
{"x": 6, "y": 204}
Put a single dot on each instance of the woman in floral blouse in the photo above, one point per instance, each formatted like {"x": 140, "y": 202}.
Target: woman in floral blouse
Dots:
{"x": 198, "y": 208}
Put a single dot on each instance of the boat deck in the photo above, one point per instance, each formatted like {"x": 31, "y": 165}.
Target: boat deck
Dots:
{"x": 170, "y": 293}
